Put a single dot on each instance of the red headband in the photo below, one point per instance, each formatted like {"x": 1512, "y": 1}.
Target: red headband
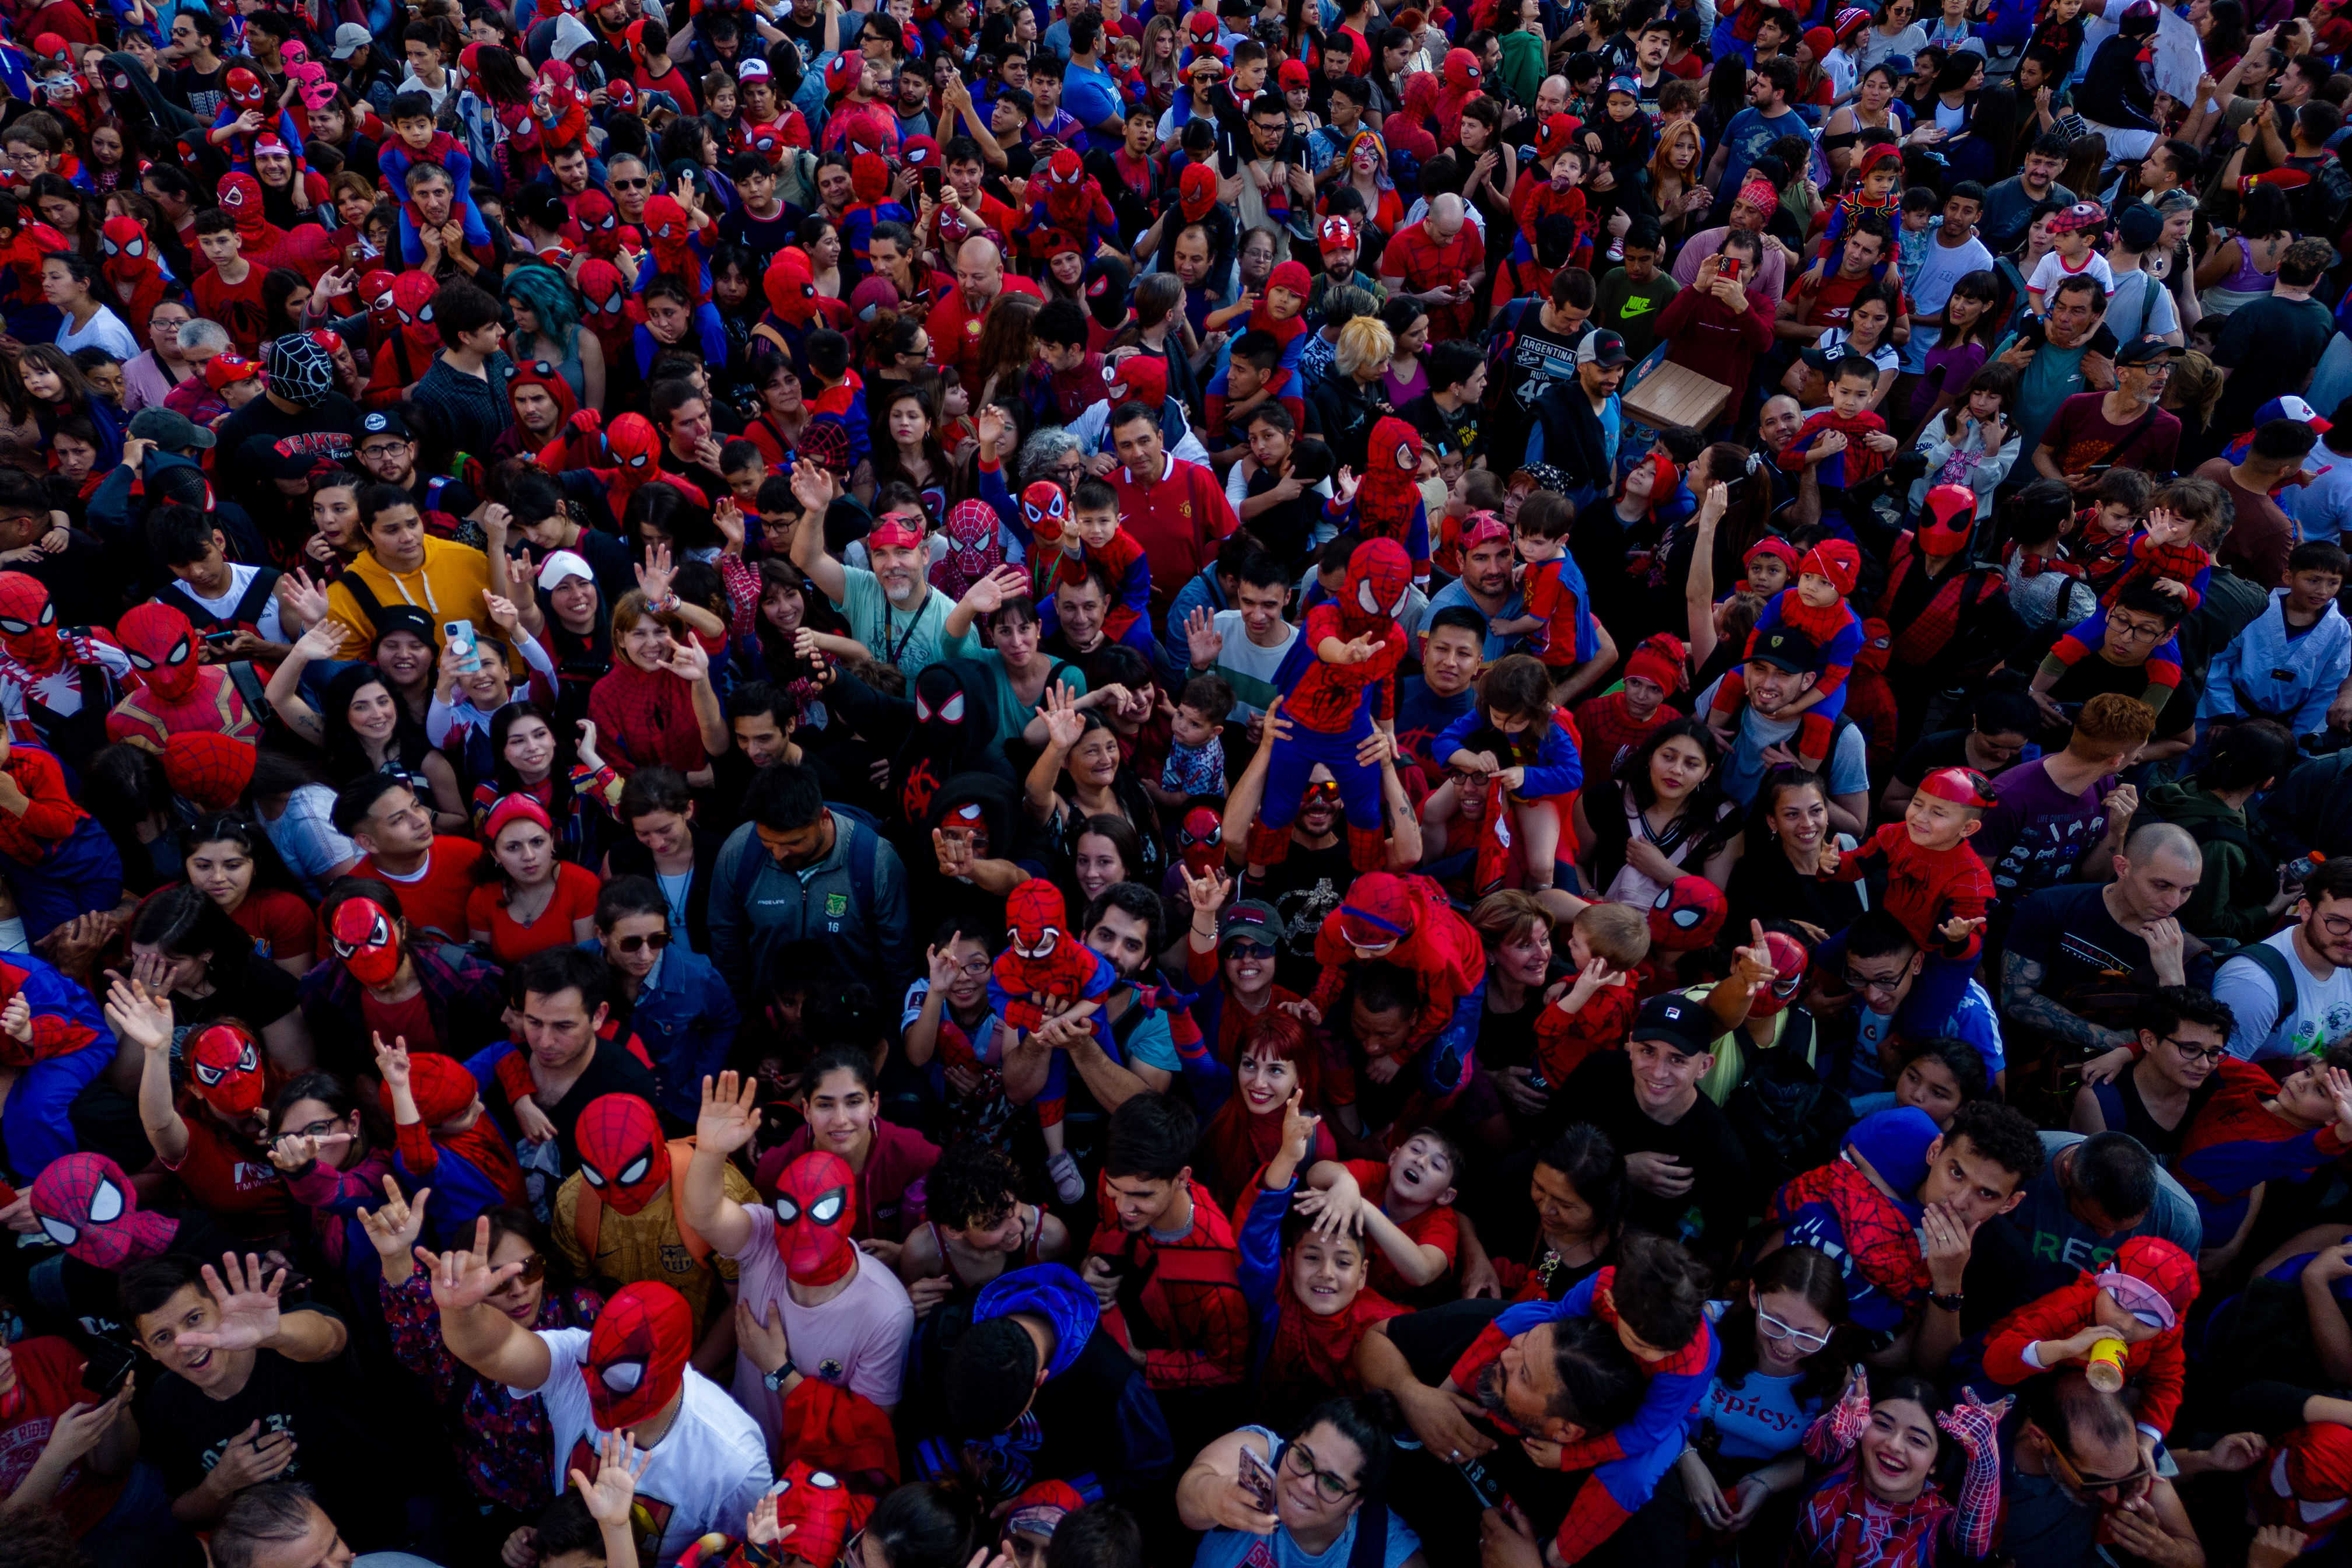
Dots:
{"x": 1958, "y": 786}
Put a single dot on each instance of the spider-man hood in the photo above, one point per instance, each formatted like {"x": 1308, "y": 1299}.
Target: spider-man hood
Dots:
{"x": 129, "y": 254}
{"x": 1687, "y": 915}
{"x": 1380, "y": 580}
{"x": 162, "y": 649}
{"x": 1200, "y": 841}
{"x": 822, "y": 1514}
{"x": 791, "y": 286}
{"x": 667, "y": 226}
{"x": 595, "y": 225}
{"x": 635, "y": 448}
{"x": 1947, "y": 519}
{"x": 367, "y": 939}
{"x": 240, "y": 198}
{"x": 412, "y": 307}
{"x": 224, "y": 1068}
{"x": 1789, "y": 961}
{"x": 246, "y": 89}
{"x": 1037, "y": 922}
{"x": 86, "y": 1205}
{"x": 603, "y": 296}
{"x": 954, "y": 731}
{"x": 1463, "y": 73}
{"x": 623, "y": 1154}
{"x": 1045, "y": 509}
{"x": 987, "y": 803}
{"x": 375, "y": 293}
{"x": 2304, "y": 1482}
{"x": 869, "y": 178}
{"x": 28, "y": 622}
{"x": 636, "y": 1354}
{"x": 815, "y": 1206}
{"x": 1069, "y": 189}
{"x": 539, "y": 373}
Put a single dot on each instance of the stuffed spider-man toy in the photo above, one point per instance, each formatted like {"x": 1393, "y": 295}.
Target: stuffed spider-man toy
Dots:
{"x": 248, "y": 94}
{"x": 1043, "y": 960}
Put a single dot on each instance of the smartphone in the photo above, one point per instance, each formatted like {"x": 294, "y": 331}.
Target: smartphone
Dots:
{"x": 459, "y": 636}
{"x": 1729, "y": 268}
{"x": 1257, "y": 1479}
{"x": 221, "y": 636}
{"x": 931, "y": 184}
{"x": 108, "y": 1364}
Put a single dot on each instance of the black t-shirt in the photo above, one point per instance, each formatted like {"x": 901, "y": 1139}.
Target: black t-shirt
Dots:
{"x": 1303, "y": 887}
{"x": 256, "y": 998}
{"x": 2092, "y": 674}
{"x": 2068, "y": 930}
{"x": 1765, "y": 886}
{"x": 338, "y": 1454}
{"x": 613, "y": 1070}
{"x": 1709, "y": 1217}
{"x": 1442, "y": 1501}
{"x": 91, "y": 1291}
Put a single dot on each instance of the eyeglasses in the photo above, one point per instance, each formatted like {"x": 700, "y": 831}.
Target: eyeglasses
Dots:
{"x": 2197, "y": 1053}
{"x": 1299, "y": 1459}
{"x": 2336, "y": 925}
{"x": 2139, "y": 631}
{"x": 312, "y": 1130}
{"x": 974, "y": 969}
{"x": 658, "y": 940}
{"x": 1876, "y": 985}
{"x": 1774, "y": 1328}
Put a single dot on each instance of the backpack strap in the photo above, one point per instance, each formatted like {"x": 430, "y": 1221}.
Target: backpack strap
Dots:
{"x": 865, "y": 853}
{"x": 1370, "y": 1549}
{"x": 2272, "y": 962}
{"x": 256, "y": 597}
{"x": 588, "y": 1214}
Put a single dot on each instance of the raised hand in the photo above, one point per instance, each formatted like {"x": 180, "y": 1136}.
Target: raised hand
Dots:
{"x": 1972, "y": 1424}
{"x": 1831, "y": 856}
{"x": 1063, "y": 723}
{"x": 729, "y": 1113}
{"x": 619, "y": 1466}
{"x": 297, "y": 1152}
{"x": 394, "y": 1226}
{"x": 248, "y": 1307}
{"x": 814, "y": 488}
{"x": 988, "y": 594}
{"x": 689, "y": 662}
{"x": 1206, "y": 894}
{"x": 654, "y": 576}
{"x": 391, "y": 1062}
{"x": 1201, "y": 638}
{"x": 462, "y": 1277}
{"x": 1298, "y": 1127}
{"x": 1361, "y": 650}
{"x": 16, "y": 1021}
{"x": 1343, "y": 487}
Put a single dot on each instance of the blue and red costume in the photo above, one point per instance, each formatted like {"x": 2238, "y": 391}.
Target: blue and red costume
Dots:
{"x": 1833, "y": 629}
{"x": 59, "y": 1061}
{"x": 1839, "y": 1210}
{"x": 1412, "y": 918}
{"x": 2237, "y": 1143}
{"x": 1331, "y": 707}
{"x": 1627, "y": 1461}
{"x": 2157, "y": 1368}
{"x": 1387, "y": 504}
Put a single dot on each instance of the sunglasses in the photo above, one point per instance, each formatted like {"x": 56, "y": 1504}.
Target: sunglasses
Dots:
{"x": 1248, "y": 950}
{"x": 534, "y": 1269}
{"x": 631, "y": 185}
{"x": 658, "y": 940}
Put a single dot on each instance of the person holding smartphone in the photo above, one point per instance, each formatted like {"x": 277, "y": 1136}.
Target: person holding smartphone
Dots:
{"x": 1723, "y": 321}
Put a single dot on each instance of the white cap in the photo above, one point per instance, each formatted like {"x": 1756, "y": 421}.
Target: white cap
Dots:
{"x": 350, "y": 39}
{"x": 561, "y": 567}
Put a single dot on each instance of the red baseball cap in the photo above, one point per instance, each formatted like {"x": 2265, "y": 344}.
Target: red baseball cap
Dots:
{"x": 224, "y": 371}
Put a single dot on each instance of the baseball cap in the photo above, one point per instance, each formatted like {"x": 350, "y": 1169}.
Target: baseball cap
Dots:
{"x": 1629, "y": 85}
{"x": 173, "y": 431}
{"x": 225, "y": 370}
{"x": 1253, "y": 920}
{"x": 383, "y": 423}
{"x": 2082, "y": 215}
{"x": 2138, "y": 226}
{"x": 2147, "y": 350}
{"x": 350, "y": 39}
{"x": 560, "y": 567}
{"x": 1603, "y": 348}
{"x": 1785, "y": 648}
{"x": 1680, "y": 1022}
{"x": 2288, "y": 407}
{"x": 754, "y": 70}
{"x": 1480, "y": 527}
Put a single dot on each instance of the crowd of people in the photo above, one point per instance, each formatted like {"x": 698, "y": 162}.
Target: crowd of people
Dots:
{"x": 964, "y": 784}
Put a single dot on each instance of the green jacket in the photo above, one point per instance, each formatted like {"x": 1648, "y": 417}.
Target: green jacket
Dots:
{"x": 1523, "y": 67}
{"x": 2233, "y": 895}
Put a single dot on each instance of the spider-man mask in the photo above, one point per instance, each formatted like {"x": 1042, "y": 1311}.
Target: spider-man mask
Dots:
{"x": 2304, "y": 1482}
{"x": 1036, "y": 918}
{"x": 28, "y": 621}
{"x": 971, "y": 820}
{"x": 367, "y": 941}
{"x": 162, "y": 649}
{"x": 1687, "y": 915}
{"x": 666, "y": 223}
{"x": 127, "y": 250}
{"x": 246, "y": 89}
{"x": 791, "y": 288}
{"x": 633, "y": 445}
{"x": 1380, "y": 580}
{"x": 1047, "y": 507}
{"x": 225, "y": 1061}
{"x": 623, "y": 1154}
{"x": 822, "y": 1514}
{"x": 375, "y": 290}
{"x": 816, "y": 1203}
{"x": 1944, "y": 524}
{"x": 86, "y": 1205}
{"x": 1788, "y": 959}
{"x": 596, "y": 225}
{"x": 603, "y": 294}
{"x": 940, "y": 698}
{"x": 1200, "y": 839}
{"x": 412, "y": 305}
{"x": 636, "y": 1355}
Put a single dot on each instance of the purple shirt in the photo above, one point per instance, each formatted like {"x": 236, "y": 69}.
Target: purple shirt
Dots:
{"x": 2036, "y": 833}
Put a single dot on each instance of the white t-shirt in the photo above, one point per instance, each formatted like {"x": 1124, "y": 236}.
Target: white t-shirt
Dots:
{"x": 857, "y": 1341}
{"x": 705, "y": 1474}
{"x": 1247, "y": 668}
{"x": 240, "y": 578}
{"x": 2053, "y": 270}
{"x": 1931, "y": 291}
{"x": 105, "y": 331}
{"x": 2320, "y": 1016}
{"x": 1886, "y": 358}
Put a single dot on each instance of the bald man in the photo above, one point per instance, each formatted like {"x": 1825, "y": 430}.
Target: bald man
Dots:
{"x": 955, "y": 321}
{"x": 2082, "y": 930}
{"x": 1440, "y": 261}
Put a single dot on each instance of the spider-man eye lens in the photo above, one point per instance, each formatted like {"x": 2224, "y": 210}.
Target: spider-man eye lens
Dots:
{"x": 634, "y": 1171}
{"x": 787, "y": 1210}
{"x": 591, "y": 1173}
{"x": 61, "y": 1232}
{"x": 952, "y": 712}
{"x": 140, "y": 661}
{"x": 179, "y": 654}
{"x": 106, "y": 1203}
{"x": 14, "y": 628}
{"x": 623, "y": 1376}
{"x": 828, "y": 1209}
{"x": 207, "y": 1076}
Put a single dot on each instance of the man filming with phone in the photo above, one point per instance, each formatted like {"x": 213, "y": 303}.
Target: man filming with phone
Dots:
{"x": 1723, "y": 321}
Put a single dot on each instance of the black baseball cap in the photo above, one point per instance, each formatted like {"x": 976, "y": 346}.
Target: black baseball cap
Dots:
{"x": 2144, "y": 351}
{"x": 1788, "y": 649}
{"x": 1680, "y": 1022}
{"x": 1603, "y": 348}
{"x": 382, "y": 422}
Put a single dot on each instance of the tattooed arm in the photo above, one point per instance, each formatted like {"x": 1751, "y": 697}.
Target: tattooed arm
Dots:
{"x": 2023, "y": 1001}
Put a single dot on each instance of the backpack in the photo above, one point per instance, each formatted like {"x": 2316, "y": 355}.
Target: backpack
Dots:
{"x": 864, "y": 848}
{"x": 1785, "y": 1117}
{"x": 588, "y": 1217}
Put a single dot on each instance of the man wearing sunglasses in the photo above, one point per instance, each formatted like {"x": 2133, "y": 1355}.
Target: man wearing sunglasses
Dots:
{"x": 2075, "y": 1473}
{"x": 2291, "y": 993}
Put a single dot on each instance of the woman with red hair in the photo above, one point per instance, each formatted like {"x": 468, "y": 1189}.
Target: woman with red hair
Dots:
{"x": 1273, "y": 1060}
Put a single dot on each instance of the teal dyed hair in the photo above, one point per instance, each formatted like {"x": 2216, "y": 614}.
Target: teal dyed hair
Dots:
{"x": 549, "y": 297}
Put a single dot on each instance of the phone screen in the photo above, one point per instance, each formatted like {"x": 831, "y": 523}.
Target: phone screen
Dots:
{"x": 931, "y": 184}
{"x": 1731, "y": 267}
{"x": 1257, "y": 1479}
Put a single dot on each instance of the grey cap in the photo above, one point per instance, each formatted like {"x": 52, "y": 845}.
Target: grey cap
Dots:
{"x": 1252, "y": 919}
{"x": 350, "y": 39}
{"x": 171, "y": 430}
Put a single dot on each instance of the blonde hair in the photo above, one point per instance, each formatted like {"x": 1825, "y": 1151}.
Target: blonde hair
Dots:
{"x": 1364, "y": 343}
{"x": 1617, "y": 934}
{"x": 634, "y": 607}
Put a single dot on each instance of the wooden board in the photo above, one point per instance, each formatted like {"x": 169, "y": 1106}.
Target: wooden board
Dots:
{"x": 1675, "y": 394}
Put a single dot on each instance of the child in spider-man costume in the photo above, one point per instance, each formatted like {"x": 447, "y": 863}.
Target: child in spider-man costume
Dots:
{"x": 1341, "y": 676}
{"x": 59, "y": 861}
{"x": 446, "y": 1141}
{"x": 86, "y": 1204}
{"x": 2167, "y": 556}
{"x": 57, "y": 1046}
{"x": 2304, "y": 1482}
{"x": 1042, "y": 960}
{"x": 56, "y": 683}
{"x": 1936, "y": 884}
{"x": 404, "y": 353}
{"x": 1386, "y": 502}
{"x": 134, "y": 270}
{"x": 1816, "y": 605}
{"x": 2255, "y": 1129}
{"x": 2141, "y": 1297}
{"x": 246, "y": 93}
{"x": 1068, "y": 200}
{"x": 1407, "y": 922}
{"x": 415, "y": 140}
{"x": 670, "y": 229}
{"x": 178, "y": 692}
{"x": 809, "y": 1512}
{"x": 1860, "y": 1209}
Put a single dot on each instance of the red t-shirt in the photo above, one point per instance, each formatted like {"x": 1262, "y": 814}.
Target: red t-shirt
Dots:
{"x": 237, "y": 306}
{"x": 280, "y": 924}
{"x": 48, "y": 1378}
{"x": 236, "y": 1185}
{"x": 575, "y": 899}
{"x": 411, "y": 1020}
{"x": 436, "y": 898}
{"x": 1833, "y": 302}
{"x": 1437, "y": 1229}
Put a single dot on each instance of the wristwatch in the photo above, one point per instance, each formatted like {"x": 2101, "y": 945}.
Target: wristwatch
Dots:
{"x": 1951, "y": 1303}
{"x": 775, "y": 1380}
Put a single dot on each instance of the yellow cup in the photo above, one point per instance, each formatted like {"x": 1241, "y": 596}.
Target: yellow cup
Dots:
{"x": 2106, "y": 1369}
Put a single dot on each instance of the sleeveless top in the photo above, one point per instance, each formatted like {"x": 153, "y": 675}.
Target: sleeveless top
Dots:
{"x": 2126, "y": 1111}
{"x": 569, "y": 369}
{"x": 1030, "y": 1233}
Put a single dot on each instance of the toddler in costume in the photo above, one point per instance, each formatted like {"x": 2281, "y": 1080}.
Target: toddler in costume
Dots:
{"x": 2167, "y": 556}
{"x": 1386, "y": 503}
{"x": 1876, "y": 187}
{"x": 1816, "y": 606}
{"x": 415, "y": 139}
{"x": 1042, "y": 959}
{"x": 2141, "y": 1297}
{"x": 1936, "y": 884}
{"x": 1527, "y": 752}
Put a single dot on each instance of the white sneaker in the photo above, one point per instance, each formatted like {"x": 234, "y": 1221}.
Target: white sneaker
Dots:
{"x": 1069, "y": 1185}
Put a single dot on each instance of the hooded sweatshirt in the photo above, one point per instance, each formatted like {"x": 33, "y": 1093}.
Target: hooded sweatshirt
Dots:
{"x": 2232, "y": 896}
{"x": 2291, "y": 680}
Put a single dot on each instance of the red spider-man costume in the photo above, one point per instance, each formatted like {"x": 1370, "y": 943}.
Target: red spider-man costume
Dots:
{"x": 225, "y": 1069}
{"x": 1837, "y": 1208}
{"x": 55, "y": 1033}
{"x": 86, "y": 1205}
{"x": 817, "y": 1206}
{"x": 2236, "y": 1142}
{"x": 605, "y": 305}
{"x": 2304, "y": 1482}
{"x": 1846, "y": 1524}
{"x": 595, "y": 225}
{"x": 1068, "y": 199}
{"x": 1042, "y": 959}
{"x": 623, "y": 1154}
{"x": 132, "y": 269}
{"x": 819, "y": 1512}
{"x": 1201, "y": 841}
{"x": 179, "y": 692}
{"x": 2157, "y": 1367}
{"x": 403, "y": 356}
{"x": 48, "y": 674}
{"x": 636, "y": 1355}
{"x": 1430, "y": 939}
{"x": 1388, "y": 503}
{"x": 669, "y": 230}
{"x": 1332, "y": 706}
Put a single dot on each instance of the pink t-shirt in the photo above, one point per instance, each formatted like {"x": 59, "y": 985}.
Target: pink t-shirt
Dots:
{"x": 857, "y": 1341}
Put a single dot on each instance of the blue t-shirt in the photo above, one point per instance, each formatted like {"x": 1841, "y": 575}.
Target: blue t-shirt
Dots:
{"x": 1455, "y": 594}
{"x": 1748, "y": 138}
{"x": 1760, "y": 1419}
{"x": 1973, "y": 1021}
{"x": 1091, "y": 98}
{"x": 1232, "y": 1548}
{"x": 1743, "y": 770}
{"x": 1422, "y": 715}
